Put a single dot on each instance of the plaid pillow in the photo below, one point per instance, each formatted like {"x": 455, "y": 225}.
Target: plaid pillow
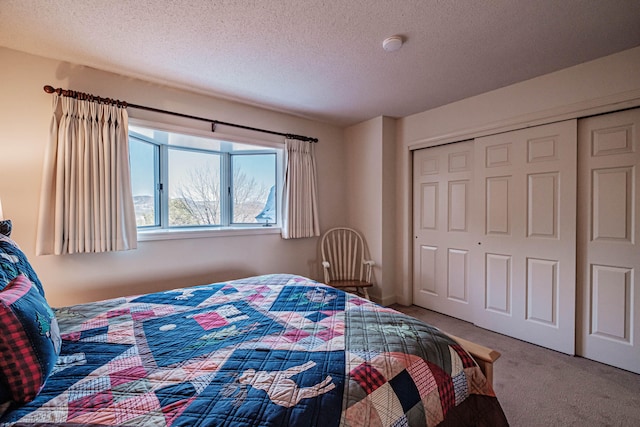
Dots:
{"x": 13, "y": 262}
{"x": 5, "y": 227}
{"x": 29, "y": 340}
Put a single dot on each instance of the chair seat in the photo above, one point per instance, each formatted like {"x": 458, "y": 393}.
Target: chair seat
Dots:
{"x": 343, "y": 255}
{"x": 350, "y": 284}
{"x": 359, "y": 285}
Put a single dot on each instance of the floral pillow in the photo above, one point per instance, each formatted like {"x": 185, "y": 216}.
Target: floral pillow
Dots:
{"x": 29, "y": 340}
{"x": 14, "y": 262}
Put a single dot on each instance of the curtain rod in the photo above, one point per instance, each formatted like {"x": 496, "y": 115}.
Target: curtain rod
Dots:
{"x": 89, "y": 97}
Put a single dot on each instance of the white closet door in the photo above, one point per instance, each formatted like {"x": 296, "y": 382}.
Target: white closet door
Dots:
{"x": 524, "y": 266}
{"x": 608, "y": 244}
{"x": 443, "y": 239}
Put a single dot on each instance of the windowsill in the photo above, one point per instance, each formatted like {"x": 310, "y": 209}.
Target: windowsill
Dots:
{"x": 198, "y": 233}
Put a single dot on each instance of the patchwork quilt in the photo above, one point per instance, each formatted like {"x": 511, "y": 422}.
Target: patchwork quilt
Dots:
{"x": 274, "y": 350}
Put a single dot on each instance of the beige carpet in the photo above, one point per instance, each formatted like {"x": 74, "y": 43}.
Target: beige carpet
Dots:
{"x": 540, "y": 387}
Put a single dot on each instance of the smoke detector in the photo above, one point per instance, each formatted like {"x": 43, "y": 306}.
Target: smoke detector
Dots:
{"x": 393, "y": 43}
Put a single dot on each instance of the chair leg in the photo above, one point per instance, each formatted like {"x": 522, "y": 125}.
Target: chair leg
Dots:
{"x": 366, "y": 294}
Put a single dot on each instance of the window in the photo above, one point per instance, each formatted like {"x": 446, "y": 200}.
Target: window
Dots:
{"x": 184, "y": 181}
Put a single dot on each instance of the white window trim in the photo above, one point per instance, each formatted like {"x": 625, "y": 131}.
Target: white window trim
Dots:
{"x": 153, "y": 234}
{"x": 206, "y": 134}
{"x": 173, "y": 234}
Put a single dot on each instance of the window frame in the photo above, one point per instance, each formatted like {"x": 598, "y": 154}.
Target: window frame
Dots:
{"x": 231, "y": 190}
{"x": 157, "y": 159}
{"x": 162, "y": 230}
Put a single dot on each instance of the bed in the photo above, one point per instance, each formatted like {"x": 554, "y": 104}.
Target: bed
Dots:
{"x": 270, "y": 350}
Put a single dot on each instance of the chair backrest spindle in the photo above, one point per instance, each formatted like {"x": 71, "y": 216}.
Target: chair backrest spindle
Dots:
{"x": 344, "y": 249}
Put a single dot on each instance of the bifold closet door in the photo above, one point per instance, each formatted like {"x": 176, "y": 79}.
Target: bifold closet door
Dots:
{"x": 608, "y": 242}
{"x": 524, "y": 262}
{"x": 443, "y": 238}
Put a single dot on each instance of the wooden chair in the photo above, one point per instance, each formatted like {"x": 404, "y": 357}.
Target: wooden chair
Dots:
{"x": 343, "y": 260}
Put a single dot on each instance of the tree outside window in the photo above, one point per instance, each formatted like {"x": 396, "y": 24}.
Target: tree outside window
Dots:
{"x": 204, "y": 187}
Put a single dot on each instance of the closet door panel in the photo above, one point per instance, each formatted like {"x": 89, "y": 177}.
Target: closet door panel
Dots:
{"x": 524, "y": 263}
{"x": 608, "y": 244}
{"x": 497, "y": 202}
{"x": 443, "y": 185}
{"x": 612, "y": 203}
{"x": 542, "y": 205}
{"x": 497, "y": 284}
{"x": 542, "y": 291}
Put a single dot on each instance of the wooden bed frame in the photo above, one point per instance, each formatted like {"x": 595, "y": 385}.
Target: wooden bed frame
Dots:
{"x": 484, "y": 356}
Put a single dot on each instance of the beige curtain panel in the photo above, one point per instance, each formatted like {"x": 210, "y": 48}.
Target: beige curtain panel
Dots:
{"x": 86, "y": 203}
{"x": 300, "y": 198}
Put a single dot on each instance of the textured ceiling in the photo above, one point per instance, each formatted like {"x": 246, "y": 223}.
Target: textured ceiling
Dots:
{"x": 323, "y": 59}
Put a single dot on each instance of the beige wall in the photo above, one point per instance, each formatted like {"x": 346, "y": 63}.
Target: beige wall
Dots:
{"x": 590, "y": 85}
{"x": 370, "y": 150}
{"x": 365, "y": 171}
{"x": 607, "y": 84}
{"x": 388, "y": 231}
{"x": 25, "y": 113}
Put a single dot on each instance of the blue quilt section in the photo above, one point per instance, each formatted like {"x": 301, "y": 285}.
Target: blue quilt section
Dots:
{"x": 309, "y": 298}
{"x": 179, "y": 337}
{"x": 191, "y": 297}
{"x": 272, "y": 388}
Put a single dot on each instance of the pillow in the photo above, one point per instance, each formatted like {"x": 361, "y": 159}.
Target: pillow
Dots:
{"x": 13, "y": 262}
{"x": 29, "y": 340}
{"x": 5, "y": 227}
